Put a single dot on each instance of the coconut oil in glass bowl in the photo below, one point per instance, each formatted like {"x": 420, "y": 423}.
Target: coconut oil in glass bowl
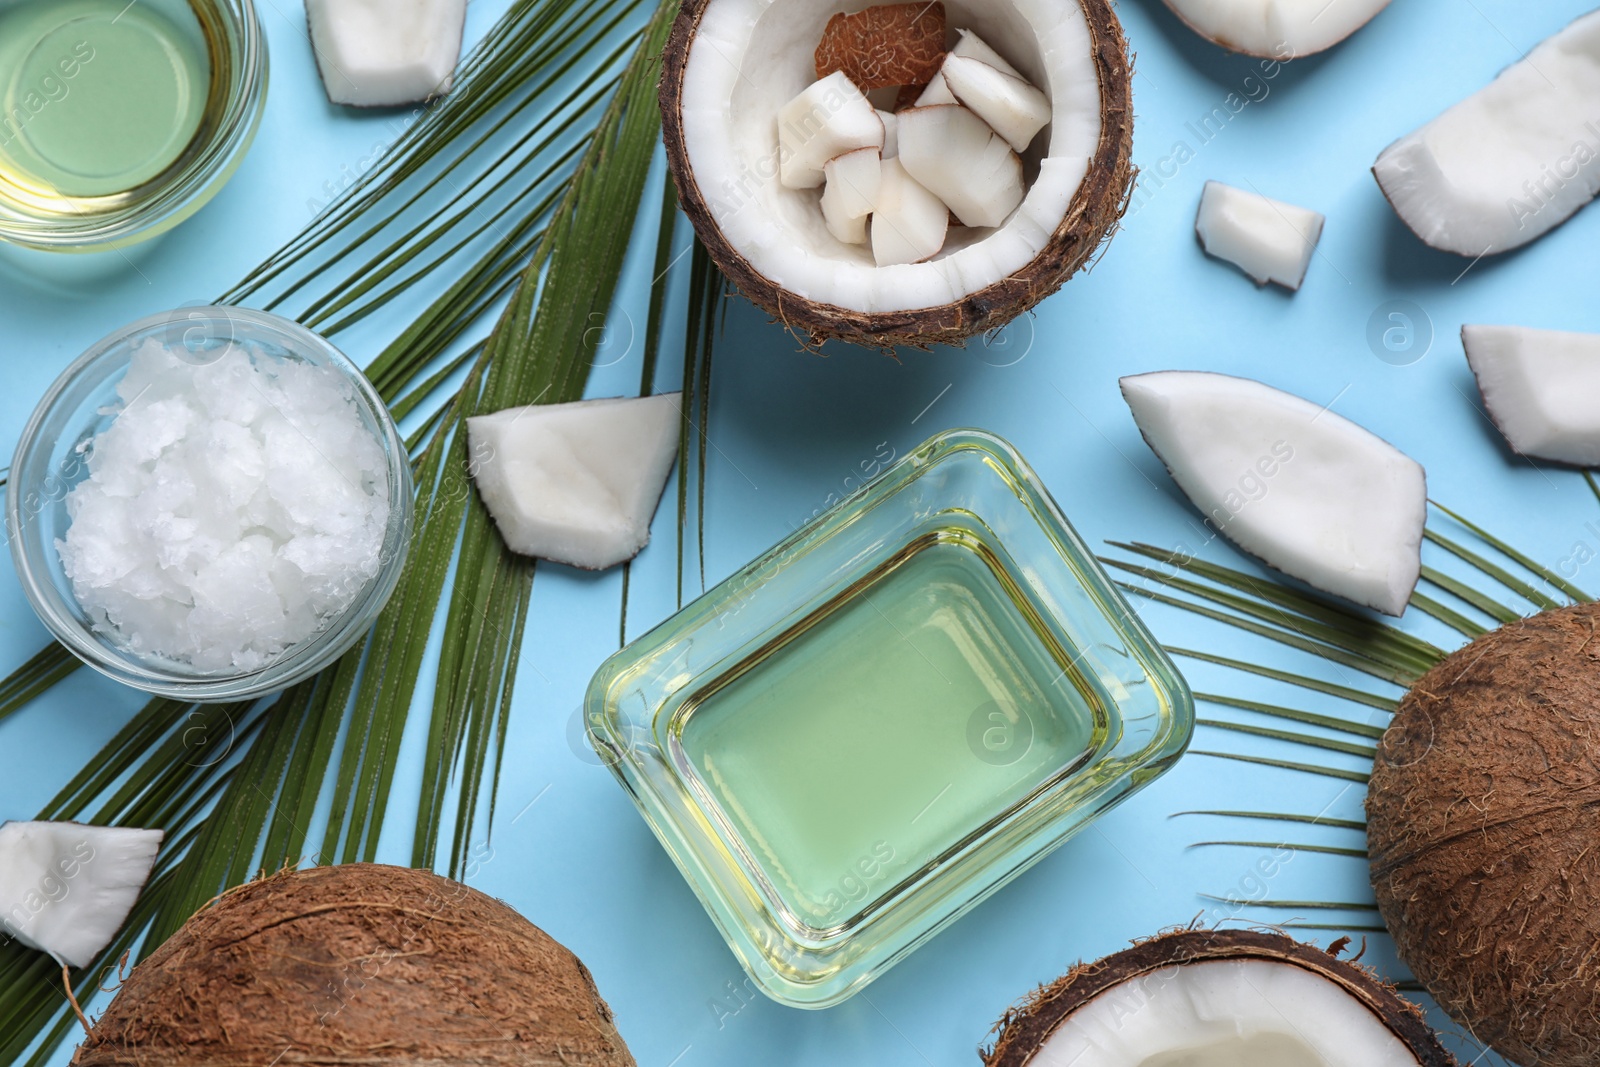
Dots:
{"x": 863, "y": 733}
{"x": 119, "y": 119}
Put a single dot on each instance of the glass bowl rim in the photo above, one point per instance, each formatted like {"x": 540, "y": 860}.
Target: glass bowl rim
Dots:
{"x": 102, "y": 360}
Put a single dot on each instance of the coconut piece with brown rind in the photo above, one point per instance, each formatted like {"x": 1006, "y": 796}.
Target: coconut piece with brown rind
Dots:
{"x": 884, "y": 46}
{"x": 1480, "y": 829}
{"x": 1072, "y": 207}
{"x": 1541, "y": 389}
{"x": 359, "y": 964}
{"x": 957, "y": 157}
{"x": 1040, "y": 1029}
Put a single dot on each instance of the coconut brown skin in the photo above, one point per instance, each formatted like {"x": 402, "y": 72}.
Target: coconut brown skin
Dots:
{"x": 360, "y": 964}
{"x": 1091, "y": 217}
{"x": 1023, "y": 1030}
{"x": 1481, "y": 828}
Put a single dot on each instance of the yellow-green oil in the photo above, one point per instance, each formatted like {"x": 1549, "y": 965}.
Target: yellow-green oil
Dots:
{"x": 97, "y": 97}
{"x": 875, "y": 738}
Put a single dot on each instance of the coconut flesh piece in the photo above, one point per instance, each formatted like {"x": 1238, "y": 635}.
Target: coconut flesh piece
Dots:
{"x": 1267, "y": 239}
{"x": 576, "y": 483}
{"x": 66, "y": 889}
{"x": 910, "y": 223}
{"x": 956, "y": 156}
{"x": 853, "y": 182}
{"x": 1509, "y": 163}
{"x": 831, "y": 117}
{"x": 1306, "y": 491}
{"x": 1541, "y": 388}
{"x": 373, "y": 53}
{"x": 1013, "y": 108}
{"x": 891, "y": 134}
{"x": 1278, "y": 29}
{"x": 747, "y": 60}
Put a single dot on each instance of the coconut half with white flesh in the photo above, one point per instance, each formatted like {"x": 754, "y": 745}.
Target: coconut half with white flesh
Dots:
{"x": 1511, "y": 162}
{"x": 576, "y": 483}
{"x": 67, "y": 888}
{"x": 1217, "y": 998}
{"x": 1305, "y": 491}
{"x": 1541, "y": 388}
{"x": 385, "y": 53}
{"x": 1276, "y": 29}
{"x": 731, "y": 66}
{"x": 1267, "y": 239}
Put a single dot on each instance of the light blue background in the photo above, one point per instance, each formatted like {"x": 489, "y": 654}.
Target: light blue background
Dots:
{"x": 788, "y": 428}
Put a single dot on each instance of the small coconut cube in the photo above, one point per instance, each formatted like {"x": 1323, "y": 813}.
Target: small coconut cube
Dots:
{"x": 373, "y": 53}
{"x": 910, "y": 223}
{"x": 1541, "y": 388}
{"x": 576, "y": 483}
{"x": 1267, "y": 239}
{"x": 957, "y": 157}
{"x": 1013, "y": 108}
{"x": 829, "y": 118}
{"x": 66, "y": 889}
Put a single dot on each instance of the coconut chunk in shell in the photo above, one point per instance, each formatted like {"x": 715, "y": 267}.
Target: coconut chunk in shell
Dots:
{"x": 1302, "y": 489}
{"x": 384, "y": 53}
{"x": 1217, "y": 998}
{"x": 66, "y": 888}
{"x": 576, "y": 483}
{"x": 359, "y": 964}
{"x": 825, "y": 120}
{"x": 1278, "y": 29}
{"x": 884, "y": 46}
{"x": 1481, "y": 833}
{"x": 730, "y": 65}
{"x": 959, "y": 159}
{"x": 909, "y": 223}
{"x": 1541, "y": 389}
{"x": 1512, "y": 161}
{"x": 1267, "y": 239}
{"x": 1013, "y": 108}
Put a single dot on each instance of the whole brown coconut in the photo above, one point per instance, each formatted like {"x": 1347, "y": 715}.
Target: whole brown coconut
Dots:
{"x": 1143, "y": 970}
{"x": 1481, "y": 828}
{"x": 1091, "y": 217}
{"x": 360, "y": 964}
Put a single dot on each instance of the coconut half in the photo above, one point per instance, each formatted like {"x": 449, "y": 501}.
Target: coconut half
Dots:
{"x": 1218, "y": 998}
{"x": 382, "y": 53}
{"x": 1267, "y": 239}
{"x": 576, "y": 483}
{"x": 1541, "y": 388}
{"x": 1509, "y": 163}
{"x": 66, "y": 888}
{"x": 1306, "y": 491}
{"x": 1277, "y": 29}
{"x": 731, "y": 65}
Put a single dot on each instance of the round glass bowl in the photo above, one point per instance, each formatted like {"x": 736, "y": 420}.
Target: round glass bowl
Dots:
{"x": 49, "y": 463}
{"x": 117, "y": 123}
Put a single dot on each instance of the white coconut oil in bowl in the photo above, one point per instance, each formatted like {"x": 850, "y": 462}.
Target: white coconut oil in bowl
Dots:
{"x": 210, "y": 504}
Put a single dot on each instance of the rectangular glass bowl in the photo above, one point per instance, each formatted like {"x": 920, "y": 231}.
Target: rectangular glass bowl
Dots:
{"x": 884, "y": 719}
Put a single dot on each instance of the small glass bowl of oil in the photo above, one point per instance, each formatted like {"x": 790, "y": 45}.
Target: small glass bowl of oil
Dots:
{"x": 121, "y": 118}
{"x": 869, "y": 729}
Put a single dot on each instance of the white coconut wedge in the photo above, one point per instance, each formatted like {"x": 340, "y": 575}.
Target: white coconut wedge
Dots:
{"x": 958, "y": 158}
{"x": 971, "y": 46}
{"x": 910, "y": 223}
{"x": 66, "y": 889}
{"x": 729, "y": 68}
{"x": 1300, "y": 488}
{"x": 1276, "y": 29}
{"x": 836, "y": 214}
{"x": 891, "y": 134}
{"x": 383, "y": 53}
{"x": 1216, "y": 998}
{"x": 1511, "y": 162}
{"x": 1267, "y": 239}
{"x": 938, "y": 92}
{"x": 828, "y": 119}
{"x": 576, "y": 483}
{"x": 854, "y": 179}
{"x": 1013, "y": 108}
{"x": 1541, "y": 388}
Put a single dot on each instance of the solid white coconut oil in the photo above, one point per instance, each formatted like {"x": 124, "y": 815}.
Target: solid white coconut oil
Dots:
{"x": 234, "y": 507}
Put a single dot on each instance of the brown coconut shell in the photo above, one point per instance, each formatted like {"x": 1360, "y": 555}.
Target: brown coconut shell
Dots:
{"x": 1481, "y": 829}
{"x": 1091, "y": 218}
{"x": 360, "y": 964}
{"x": 1024, "y": 1030}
